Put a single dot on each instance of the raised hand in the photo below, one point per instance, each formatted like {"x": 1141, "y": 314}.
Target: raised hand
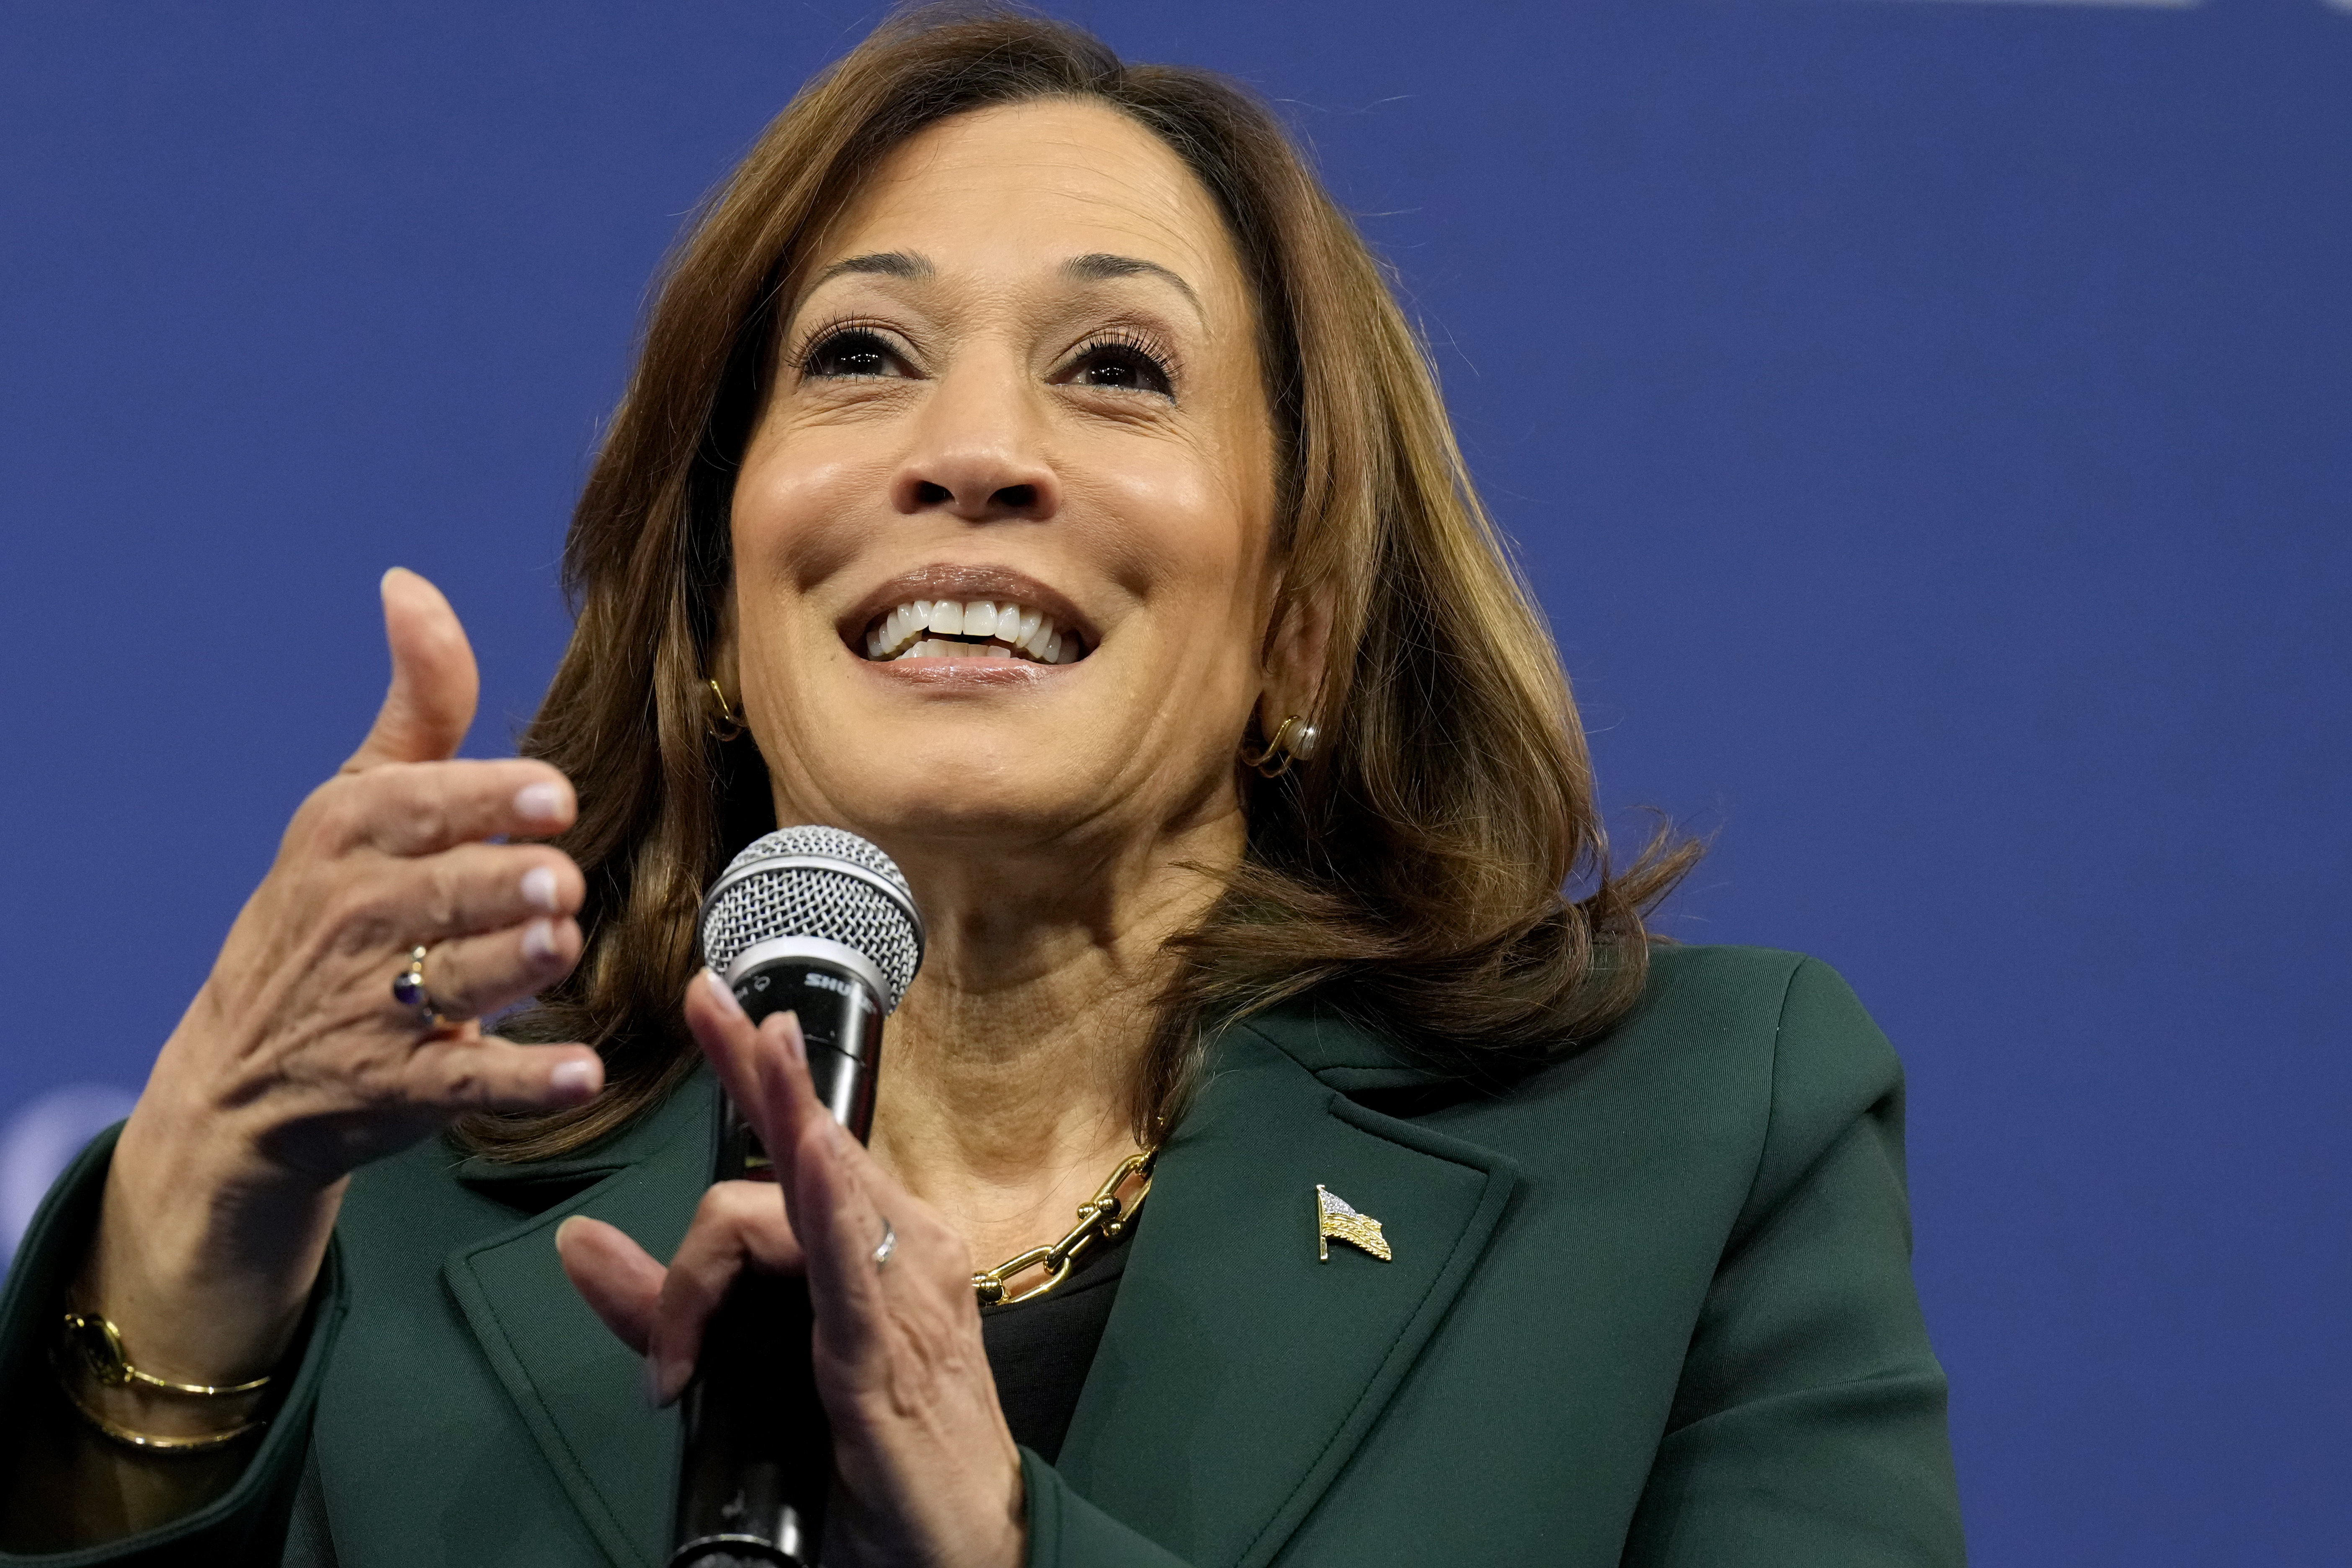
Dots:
{"x": 295, "y": 1064}
{"x": 928, "y": 1469}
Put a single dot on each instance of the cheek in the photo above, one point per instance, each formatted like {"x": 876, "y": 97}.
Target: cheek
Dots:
{"x": 796, "y": 520}
{"x": 1179, "y": 530}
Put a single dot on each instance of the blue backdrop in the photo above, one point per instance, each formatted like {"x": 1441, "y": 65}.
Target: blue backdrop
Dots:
{"x": 1929, "y": 425}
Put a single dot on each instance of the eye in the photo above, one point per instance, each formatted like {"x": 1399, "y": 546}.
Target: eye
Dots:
{"x": 851, "y": 351}
{"x": 1122, "y": 362}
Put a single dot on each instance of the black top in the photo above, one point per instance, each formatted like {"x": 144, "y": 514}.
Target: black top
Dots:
{"x": 1040, "y": 1350}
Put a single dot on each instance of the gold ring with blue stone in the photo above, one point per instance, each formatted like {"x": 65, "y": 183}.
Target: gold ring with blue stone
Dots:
{"x": 408, "y": 990}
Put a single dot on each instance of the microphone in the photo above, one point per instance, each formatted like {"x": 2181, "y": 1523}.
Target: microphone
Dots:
{"x": 821, "y": 922}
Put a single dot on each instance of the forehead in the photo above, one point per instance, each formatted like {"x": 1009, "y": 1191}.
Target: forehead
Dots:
{"x": 1025, "y": 186}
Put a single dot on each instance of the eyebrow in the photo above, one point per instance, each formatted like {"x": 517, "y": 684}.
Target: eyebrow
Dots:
{"x": 897, "y": 264}
{"x": 1094, "y": 267}
{"x": 1100, "y": 265}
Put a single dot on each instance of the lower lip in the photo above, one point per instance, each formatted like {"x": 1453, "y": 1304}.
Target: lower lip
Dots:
{"x": 966, "y": 672}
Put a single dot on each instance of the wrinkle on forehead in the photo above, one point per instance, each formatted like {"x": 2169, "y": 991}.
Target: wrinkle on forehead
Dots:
{"x": 1026, "y": 186}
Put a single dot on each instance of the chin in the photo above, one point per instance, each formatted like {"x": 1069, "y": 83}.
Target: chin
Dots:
{"x": 973, "y": 809}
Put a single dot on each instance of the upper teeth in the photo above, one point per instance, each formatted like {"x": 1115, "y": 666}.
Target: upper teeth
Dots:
{"x": 996, "y": 629}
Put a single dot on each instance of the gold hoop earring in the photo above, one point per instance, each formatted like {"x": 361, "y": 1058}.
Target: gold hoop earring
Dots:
{"x": 1294, "y": 741}
{"x": 724, "y": 724}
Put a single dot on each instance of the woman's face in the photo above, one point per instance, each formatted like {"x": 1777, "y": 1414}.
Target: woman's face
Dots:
{"x": 1002, "y": 533}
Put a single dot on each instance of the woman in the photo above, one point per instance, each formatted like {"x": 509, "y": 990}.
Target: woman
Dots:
{"x": 1027, "y": 470}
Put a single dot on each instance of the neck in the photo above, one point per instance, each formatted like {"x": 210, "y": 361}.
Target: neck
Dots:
{"x": 1012, "y": 1068}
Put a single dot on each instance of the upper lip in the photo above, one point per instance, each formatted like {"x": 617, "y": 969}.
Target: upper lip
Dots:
{"x": 944, "y": 580}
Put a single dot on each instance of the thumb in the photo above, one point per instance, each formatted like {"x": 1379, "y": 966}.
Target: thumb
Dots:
{"x": 430, "y": 705}
{"x": 619, "y": 1281}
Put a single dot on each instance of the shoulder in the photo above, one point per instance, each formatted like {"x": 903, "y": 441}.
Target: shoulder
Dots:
{"x": 1781, "y": 1033}
{"x": 1737, "y": 1073}
{"x": 1788, "y": 1013}
{"x": 1710, "y": 1020}
{"x": 1740, "y": 991}
{"x": 1735, "y": 1070}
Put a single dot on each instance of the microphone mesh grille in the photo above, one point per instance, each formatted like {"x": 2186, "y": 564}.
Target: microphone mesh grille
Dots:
{"x": 810, "y": 900}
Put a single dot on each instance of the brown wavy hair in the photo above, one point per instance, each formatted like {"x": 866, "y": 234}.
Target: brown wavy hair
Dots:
{"x": 1414, "y": 873}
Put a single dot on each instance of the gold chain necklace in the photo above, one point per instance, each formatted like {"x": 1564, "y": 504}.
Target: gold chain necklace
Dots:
{"x": 1103, "y": 1217}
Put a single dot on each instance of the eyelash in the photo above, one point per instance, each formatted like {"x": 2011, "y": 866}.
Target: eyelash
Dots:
{"x": 1132, "y": 347}
{"x": 1134, "y": 350}
{"x": 832, "y": 332}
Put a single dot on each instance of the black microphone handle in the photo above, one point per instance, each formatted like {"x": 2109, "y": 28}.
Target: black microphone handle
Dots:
{"x": 757, "y": 1461}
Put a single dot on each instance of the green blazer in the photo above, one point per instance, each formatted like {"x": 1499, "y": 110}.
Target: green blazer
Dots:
{"x": 1650, "y": 1306}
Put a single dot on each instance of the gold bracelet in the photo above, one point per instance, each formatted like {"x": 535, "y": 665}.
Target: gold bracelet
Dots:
{"x": 97, "y": 1344}
{"x": 151, "y": 1442}
{"x": 93, "y": 1345}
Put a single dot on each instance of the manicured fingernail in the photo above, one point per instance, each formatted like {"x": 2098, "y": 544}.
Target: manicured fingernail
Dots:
{"x": 574, "y": 1078}
{"x": 795, "y": 1043}
{"x": 539, "y": 887}
{"x": 652, "y": 1384}
{"x": 540, "y": 803}
{"x": 539, "y": 941}
{"x": 722, "y": 993}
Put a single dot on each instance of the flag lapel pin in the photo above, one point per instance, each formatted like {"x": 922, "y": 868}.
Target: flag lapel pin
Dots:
{"x": 1334, "y": 1216}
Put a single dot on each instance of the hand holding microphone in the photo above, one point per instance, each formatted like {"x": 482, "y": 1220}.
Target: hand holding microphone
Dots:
{"x": 925, "y": 1467}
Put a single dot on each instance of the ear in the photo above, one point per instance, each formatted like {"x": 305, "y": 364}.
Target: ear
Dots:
{"x": 1295, "y": 660}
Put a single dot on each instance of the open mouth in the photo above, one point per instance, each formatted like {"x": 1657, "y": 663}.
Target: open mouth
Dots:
{"x": 972, "y": 628}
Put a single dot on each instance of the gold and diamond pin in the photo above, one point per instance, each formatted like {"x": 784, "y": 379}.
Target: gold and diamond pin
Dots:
{"x": 1334, "y": 1216}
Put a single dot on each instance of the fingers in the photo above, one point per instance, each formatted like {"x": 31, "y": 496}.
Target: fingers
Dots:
{"x": 841, "y": 1226}
{"x": 736, "y": 1223}
{"x": 725, "y": 1033}
{"x": 835, "y": 1194}
{"x": 762, "y": 1068}
{"x": 467, "y": 1071}
{"x": 430, "y": 704}
{"x": 832, "y": 1189}
{"x": 419, "y": 808}
{"x": 926, "y": 1464}
{"x": 496, "y": 918}
{"x": 484, "y": 887}
{"x": 481, "y": 887}
{"x": 619, "y": 1279}
{"x": 472, "y": 976}
{"x": 843, "y": 1202}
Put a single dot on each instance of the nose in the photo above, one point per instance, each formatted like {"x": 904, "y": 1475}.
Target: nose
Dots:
{"x": 979, "y": 451}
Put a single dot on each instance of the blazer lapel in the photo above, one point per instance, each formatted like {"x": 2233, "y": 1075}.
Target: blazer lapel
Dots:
{"x": 1238, "y": 1372}
{"x": 581, "y": 1391}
